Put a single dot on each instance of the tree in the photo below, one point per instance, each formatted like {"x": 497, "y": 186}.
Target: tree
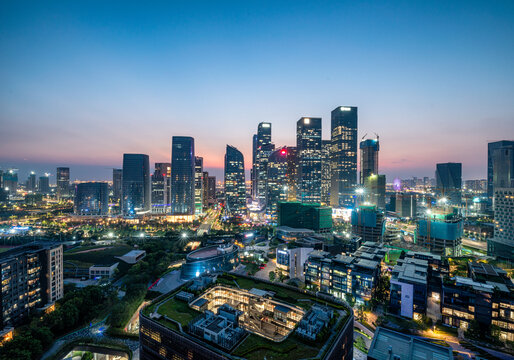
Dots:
{"x": 272, "y": 276}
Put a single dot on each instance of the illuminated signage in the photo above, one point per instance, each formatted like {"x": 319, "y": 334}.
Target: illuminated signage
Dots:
{"x": 266, "y": 125}
{"x": 306, "y": 121}
{"x": 345, "y": 108}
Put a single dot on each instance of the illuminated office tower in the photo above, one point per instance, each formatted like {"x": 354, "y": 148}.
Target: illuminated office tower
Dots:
{"x": 278, "y": 187}
{"x": 308, "y": 146}
{"x": 344, "y": 155}
{"x": 183, "y": 176}
{"x": 199, "y": 185}
{"x": 292, "y": 172}
{"x": 92, "y": 198}
{"x": 449, "y": 182}
{"x": 212, "y": 190}
{"x": 235, "y": 188}
{"x": 136, "y": 184}
{"x": 491, "y": 147}
{"x": 369, "y": 158}
{"x": 253, "y": 170}
{"x": 263, "y": 149}
{"x": 326, "y": 171}
{"x": 44, "y": 185}
{"x": 117, "y": 176}
{"x": 31, "y": 182}
{"x": 375, "y": 189}
{"x": 205, "y": 189}
{"x": 160, "y": 188}
{"x": 63, "y": 182}
{"x": 503, "y": 167}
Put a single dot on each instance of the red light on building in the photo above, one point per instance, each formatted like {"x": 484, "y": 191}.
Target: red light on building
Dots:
{"x": 283, "y": 152}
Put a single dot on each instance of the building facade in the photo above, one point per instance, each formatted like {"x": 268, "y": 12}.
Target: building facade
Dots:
{"x": 63, "y": 182}
{"x": 441, "y": 231}
{"x": 199, "y": 193}
{"x": 308, "y": 146}
{"x": 491, "y": 148}
{"x": 502, "y": 244}
{"x": 296, "y": 215}
{"x": 117, "y": 179}
{"x": 136, "y": 186}
{"x": 369, "y": 158}
{"x": 368, "y": 223}
{"x": 344, "y": 155}
{"x": 183, "y": 175}
{"x": 449, "y": 182}
{"x": 92, "y": 198}
{"x": 235, "y": 188}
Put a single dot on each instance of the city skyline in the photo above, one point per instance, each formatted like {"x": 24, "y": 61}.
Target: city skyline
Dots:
{"x": 431, "y": 97}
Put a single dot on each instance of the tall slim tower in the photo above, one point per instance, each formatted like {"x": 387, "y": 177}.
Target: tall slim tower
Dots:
{"x": 136, "y": 187}
{"x": 199, "y": 194}
{"x": 63, "y": 182}
{"x": 235, "y": 188}
{"x": 117, "y": 176}
{"x": 449, "y": 181}
{"x": 264, "y": 148}
{"x": 369, "y": 158}
{"x": 278, "y": 187}
{"x": 183, "y": 176}
{"x": 326, "y": 171}
{"x": 491, "y": 147}
{"x": 308, "y": 145}
{"x": 344, "y": 155}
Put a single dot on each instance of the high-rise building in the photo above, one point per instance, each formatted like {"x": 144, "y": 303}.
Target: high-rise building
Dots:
{"x": 212, "y": 190}
{"x": 344, "y": 155}
{"x": 160, "y": 188}
{"x": 199, "y": 194}
{"x": 277, "y": 185}
{"x": 63, "y": 182}
{"x": 502, "y": 245}
{"x": 92, "y": 198}
{"x": 136, "y": 187}
{"x": 305, "y": 216}
{"x": 449, "y": 182}
{"x": 491, "y": 147}
{"x": 405, "y": 205}
{"x": 44, "y": 184}
{"x": 31, "y": 182}
{"x": 503, "y": 167}
{"x": 375, "y": 189}
{"x": 369, "y": 158}
{"x": 308, "y": 145}
{"x": 263, "y": 150}
{"x": 253, "y": 170}
{"x": 117, "y": 176}
{"x": 10, "y": 181}
{"x": 292, "y": 172}
{"x": 326, "y": 171}
{"x": 235, "y": 188}
{"x": 32, "y": 277}
{"x": 368, "y": 222}
{"x": 183, "y": 176}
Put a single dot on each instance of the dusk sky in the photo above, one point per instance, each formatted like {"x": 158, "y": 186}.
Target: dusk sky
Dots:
{"x": 82, "y": 82}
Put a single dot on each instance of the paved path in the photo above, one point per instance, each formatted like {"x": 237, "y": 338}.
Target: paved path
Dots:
{"x": 169, "y": 282}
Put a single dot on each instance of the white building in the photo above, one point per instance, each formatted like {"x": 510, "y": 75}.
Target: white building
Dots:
{"x": 103, "y": 271}
{"x": 293, "y": 260}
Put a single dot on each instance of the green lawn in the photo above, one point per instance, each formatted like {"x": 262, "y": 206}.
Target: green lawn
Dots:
{"x": 178, "y": 310}
{"x": 105, "y": 256}
{"x": 256, "y": 347}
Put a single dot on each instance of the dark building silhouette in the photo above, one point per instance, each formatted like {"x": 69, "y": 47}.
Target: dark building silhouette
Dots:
{"x": 183, "y": 176}
{"x": 449, "y": 182}
{"x": 136, "y": 187}
{"x": 117, "y": 176}
{"x": 63, "y": 182}
{"x": 491, "y": 147}
{"x": 344, "y": 155}
{"x": 369, "y": 158}
{"x": 92, "y": 198}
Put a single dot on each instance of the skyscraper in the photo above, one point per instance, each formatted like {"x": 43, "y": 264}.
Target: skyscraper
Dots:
{"x": 160, "y": 188}
{"x": 449, "y": 182}
{"x": 31, "y": 182}
{"x": 326, "y": 171}
{"x": 235, "y": 189}
{"x": 375, "y": 186}
{"x": 10, "y": 181}
{"x": 292, "y": 172}
{"x": 183, "y": 176}
{"x": 136, "y": 187}
{"x": 344, "y": 155}
{"x": 502, "y": 245}
{"x": 277, "y": 188}
{"x": 198, "y": 185}
{"x": 92, "y": 198}
{"x": 212, "y": 190}
{"x": 503, "y": 167}
{"x": 116, "y": 184}
{"x": 308, "y": 145}
{"x": 44, "y": 185}
{"x": 63, "y": 182}
{"x": 491, "y": 147}
{"x": 263, "y": 150}
{"x": 369, "y": 158}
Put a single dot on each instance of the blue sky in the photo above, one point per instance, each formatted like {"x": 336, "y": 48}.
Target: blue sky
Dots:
{"x": 85, "y": 81}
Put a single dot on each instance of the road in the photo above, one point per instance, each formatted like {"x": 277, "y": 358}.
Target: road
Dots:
{"x": 264, "y": 273}
{"x": 210, "y": 220}
{"x": 480, "y": 245}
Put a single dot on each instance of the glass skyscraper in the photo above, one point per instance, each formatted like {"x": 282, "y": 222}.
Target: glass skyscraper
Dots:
{"x": 344, "y": 155}
{"x": 199, "y": 193}
{"x": 160, "y": 188}
{"x": 136, "y": 187}
{"x": 63, "y": 182}
{"x": 183, "y": 175}
{"x": 278, "y": 187}
{"x": 117, "y": 176}
{"x": 449, "y": 182}
{"x": 369, "y": 158}
{"x": 235, "y": 188}
{"x": 92, "y": 198}
{"x": 326, "y": 171}
{"x": 308, "y": 145}
{"x": 263, "y": 149}
{"x": 491, "y": 149}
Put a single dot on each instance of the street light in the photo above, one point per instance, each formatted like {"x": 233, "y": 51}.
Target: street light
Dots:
{"x": 359, "y": 191}
{"x": 184, "y": 235}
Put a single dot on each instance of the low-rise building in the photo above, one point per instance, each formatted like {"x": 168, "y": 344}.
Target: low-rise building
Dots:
{"x": 292, "y": 260}
{"x": 133, "y": 256}
{"x": 106, "y": 271}
{"x": 289, "y": 234}
{"x": 391, "y": 345}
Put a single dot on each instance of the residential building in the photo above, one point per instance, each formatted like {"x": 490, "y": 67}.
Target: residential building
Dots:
{"x": 32, "y": 277}
{"x": 344, "y": 155}
{"x": 502, "y": 244}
